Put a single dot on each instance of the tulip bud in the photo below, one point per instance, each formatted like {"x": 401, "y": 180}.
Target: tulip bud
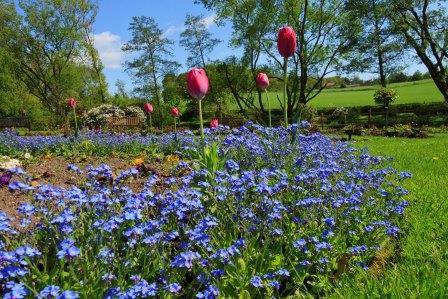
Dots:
{"x": 197, "y": 83}
{"x": 286, "y": 41}
{"x": 175, "y": 111}
{"x": 148, "y": 108}
{"x": 262, "y": 81}
{"x": 71, "y": 103}
{"x": 214, "y": 123}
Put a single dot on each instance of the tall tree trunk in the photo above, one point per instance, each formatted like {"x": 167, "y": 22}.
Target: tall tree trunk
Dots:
{"x": 381, "y": 69}
{"x": 303, "y": 57}
{"x": 253, "y": 68}
{"x": 441, "y": 81}
{"x": 378, "y": 44}
{"x": 303, "y": 81}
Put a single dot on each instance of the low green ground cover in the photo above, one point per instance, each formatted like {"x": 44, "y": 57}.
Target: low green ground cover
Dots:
{"x": 420, "y": 269}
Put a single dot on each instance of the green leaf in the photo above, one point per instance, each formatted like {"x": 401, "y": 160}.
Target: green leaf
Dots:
{"x": 278, "y": 260}
{"x": 242, "y": 265}
{"x": 244, "y": 294}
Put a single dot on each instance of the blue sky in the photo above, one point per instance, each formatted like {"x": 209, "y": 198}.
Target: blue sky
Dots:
{"x": 111, "y": 31}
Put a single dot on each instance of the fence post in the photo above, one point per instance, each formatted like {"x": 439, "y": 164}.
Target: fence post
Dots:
{"x": 322, "y": 120}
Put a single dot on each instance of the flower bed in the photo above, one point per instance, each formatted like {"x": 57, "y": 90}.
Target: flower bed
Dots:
{"x": 253, "y": 212}
{"x": 91, "y": 142}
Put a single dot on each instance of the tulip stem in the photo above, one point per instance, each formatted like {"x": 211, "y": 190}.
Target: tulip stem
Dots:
{"x": 150, "y": 123}
{"x": 175, "y": 129}
{"x": 76, "y": 122}
{"x": 201, "y": 123}
{"x": 269, "y": 108}
{"x": 285, "y": 84}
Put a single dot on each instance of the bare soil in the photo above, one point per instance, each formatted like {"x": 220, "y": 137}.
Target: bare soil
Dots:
{"x": 53, "y": 170}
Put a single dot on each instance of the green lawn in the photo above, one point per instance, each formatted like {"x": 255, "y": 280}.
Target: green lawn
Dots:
{"x": 409, "y": 92}
{"x": 421, "y": 269}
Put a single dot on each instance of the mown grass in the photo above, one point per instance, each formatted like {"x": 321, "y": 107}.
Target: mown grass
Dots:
{"x": 423, "y": 91}
{"x": 420, "y": 269}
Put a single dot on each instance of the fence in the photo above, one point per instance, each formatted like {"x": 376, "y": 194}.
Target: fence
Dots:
{"x": 15, "y": 122}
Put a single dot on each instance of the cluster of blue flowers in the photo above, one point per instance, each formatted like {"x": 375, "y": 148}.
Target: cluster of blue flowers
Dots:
{"x": 11, "y": 142}
{"x": 283, "y": 208}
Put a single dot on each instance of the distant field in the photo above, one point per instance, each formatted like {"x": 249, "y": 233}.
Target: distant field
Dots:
{"x": 410, "y": 92}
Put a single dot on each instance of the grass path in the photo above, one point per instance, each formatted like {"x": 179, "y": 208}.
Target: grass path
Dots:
{"x": 421, "y": 270}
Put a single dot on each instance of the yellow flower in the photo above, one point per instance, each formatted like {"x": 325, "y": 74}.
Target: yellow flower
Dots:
{"x": 435, "y": 158}
{"x": 137, "y": 162}
{"x": 48, "y": 156}
{"x": 172, "y": 158}
{"x": 87, "y": 143}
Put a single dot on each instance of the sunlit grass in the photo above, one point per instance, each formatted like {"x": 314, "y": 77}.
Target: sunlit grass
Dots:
{"x": 421, "y": 268}
{"x": 423, "y": 91}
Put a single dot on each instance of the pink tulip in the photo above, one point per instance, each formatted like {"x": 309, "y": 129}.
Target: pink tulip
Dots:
{"x": 286, "y": 41}
{"x": 148, "y": 108}
{"x": 71, "y": 103}
{"x": 214, "y": 123}
{"x": 197, "y": 83}
{"x": 262, "y": 81}
{"x": 175, "y": 111}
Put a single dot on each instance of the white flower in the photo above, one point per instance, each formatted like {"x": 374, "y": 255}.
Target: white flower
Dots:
{"x": 8, "y": 163}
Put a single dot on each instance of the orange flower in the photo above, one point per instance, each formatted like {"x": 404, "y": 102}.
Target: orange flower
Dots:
{"x": 137, "y": 162}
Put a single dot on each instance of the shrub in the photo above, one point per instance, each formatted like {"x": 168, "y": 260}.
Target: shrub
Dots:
{"x": 340, "y": 114}
{"x": 97, "y": 117}
{"x": 405, "y": 131}
{"x": 385, "y": 96}
{"x": 134, "y": 111}
{"x": 305, "y": 112}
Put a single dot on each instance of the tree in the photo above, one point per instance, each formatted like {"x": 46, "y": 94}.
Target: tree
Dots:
{"x": 153, "y": 62}
{"x": 424, "y": 24}
{"x": 379, "y": 48}
{"x": 252, "y": 20}
{"x": 48, "y": 47}
{"x": 416, "y": 76}
{"x": 198, "y": 41}
{"x": 174, "y": 89}
{"x": 96, "y": 64}
{"x": 325, "y": 36}
{"x": 121, "y": 89}
{"x": 397, "y": 77}
{"x": 12, "y": 92}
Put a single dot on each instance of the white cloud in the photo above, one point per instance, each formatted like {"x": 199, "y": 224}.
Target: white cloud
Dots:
{"x": 209, "y": 20}
{"x": 109, "y": 49}
{"x": 173, "y": 30}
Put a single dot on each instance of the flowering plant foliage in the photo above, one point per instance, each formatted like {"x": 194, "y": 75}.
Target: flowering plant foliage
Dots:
{"x": 261, "y": 212}
{"x": 98, "y": 116}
